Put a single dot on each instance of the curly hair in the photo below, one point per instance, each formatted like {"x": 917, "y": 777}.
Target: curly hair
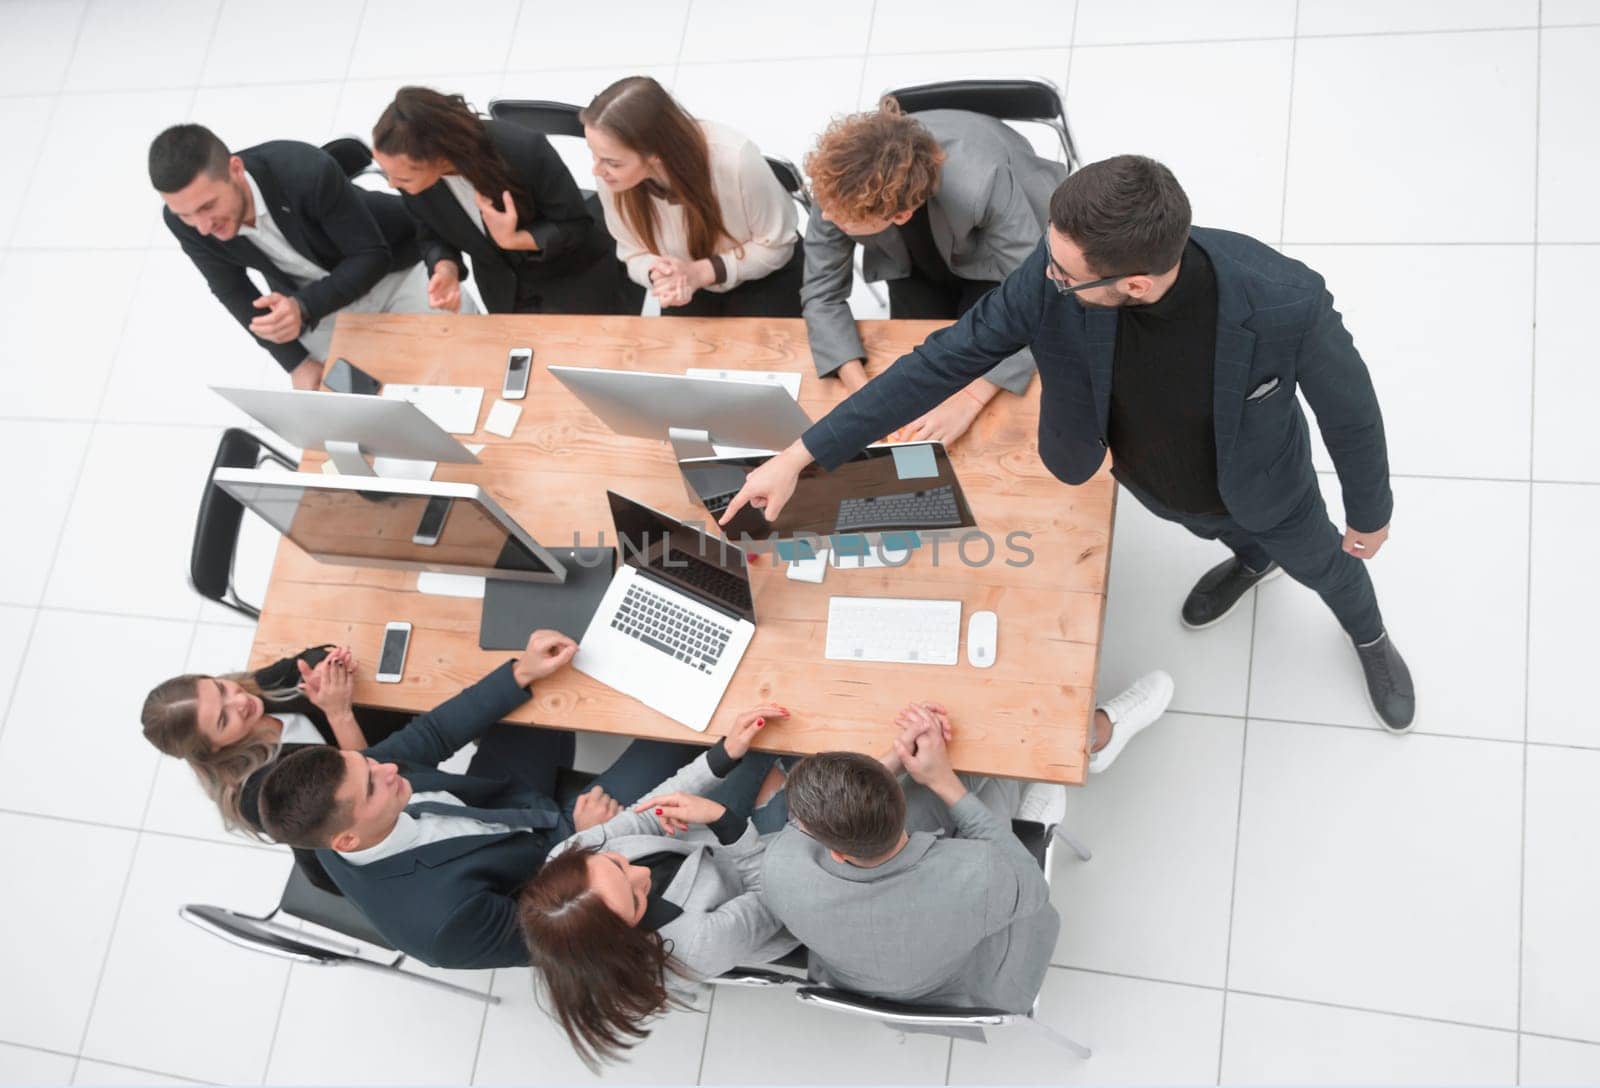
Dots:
{"x": 873, "y": 166}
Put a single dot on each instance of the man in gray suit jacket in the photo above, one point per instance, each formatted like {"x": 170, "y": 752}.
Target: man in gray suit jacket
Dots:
{"x": 946, "y": 204}
{"x": 885, "y": 904}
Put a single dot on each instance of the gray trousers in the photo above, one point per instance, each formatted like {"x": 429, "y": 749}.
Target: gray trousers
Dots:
{"x": 403, "y": 292}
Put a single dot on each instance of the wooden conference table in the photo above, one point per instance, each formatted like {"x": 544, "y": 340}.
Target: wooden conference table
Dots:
{"x": 1027, "y": 716}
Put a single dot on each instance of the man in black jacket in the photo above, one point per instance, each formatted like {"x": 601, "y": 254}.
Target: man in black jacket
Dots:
{"x": 288, "y": 211}
{"x": 1178, "y": 351}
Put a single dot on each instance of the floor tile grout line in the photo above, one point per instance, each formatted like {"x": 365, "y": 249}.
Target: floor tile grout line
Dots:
{"x": 483, "y": 1026}
{"x": 1370, "y": 1010}
{"x": 1288, "y": 131}
{"x": 1238, "y": 826}
{"x": 99, "y": 1061}
{"x": 1527, "y": 619}
{"x": 105, "y": 957}
{"x": 866, "y": 57}
{"x": 72, "y": 610}
{"x": 159, "y": 833}
{"x": 33, "y": 626}
{"x": 949, "y": 1059}
{"x": 349, "y": 63}
{"x": 683, "y": 38}
{"x": 705, "y": 1037}
{"x": 277, "y": 1024}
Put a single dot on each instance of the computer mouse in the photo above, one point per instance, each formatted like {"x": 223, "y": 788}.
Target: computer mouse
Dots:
{"x": 982, "y": 628}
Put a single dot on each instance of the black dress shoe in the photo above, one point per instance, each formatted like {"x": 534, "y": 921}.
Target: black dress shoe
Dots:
{"x": 1220, "y": 590}
{"x": 1394, "y": 700}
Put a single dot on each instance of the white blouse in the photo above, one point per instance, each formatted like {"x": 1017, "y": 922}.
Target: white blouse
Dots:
{"x": 759, "y": 216}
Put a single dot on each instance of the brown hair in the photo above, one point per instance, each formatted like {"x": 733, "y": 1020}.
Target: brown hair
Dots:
{"x": 171, "y": 724}
{"x": 639, "y": 112}
{"x": 299, "y": 798}
{"x": 1128, "y": 214}
{"x": 424, "y": 125}
{"x": 874, "y": 165}
{"x": 602, "y": 977}
{"x": 848, "y": 802}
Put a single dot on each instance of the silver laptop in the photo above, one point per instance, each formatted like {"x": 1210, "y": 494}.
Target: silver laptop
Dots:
{"x": 676, "y": 619}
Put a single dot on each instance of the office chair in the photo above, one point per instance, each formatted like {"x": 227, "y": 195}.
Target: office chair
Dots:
{"x": 1035, "y": 100}
{"x": 558, "y": 119}
{"x": 1040, "y": 842}
{"x": 302, "y": 900}
{"x": 216, "y": 526}
{"x": 353, "y": 156}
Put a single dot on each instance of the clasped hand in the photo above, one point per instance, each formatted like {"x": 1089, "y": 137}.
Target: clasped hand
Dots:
{"x": 330, "y": 686}
{"x": 281, "y": 322}
{"x": 674, "y": 281}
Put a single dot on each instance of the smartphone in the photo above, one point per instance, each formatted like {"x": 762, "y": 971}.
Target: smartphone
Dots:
{"x": 432, "y": 522}
{"x": 392, "y": 658}
{"x": 343, "y": 377}
{"x": 519, "y": 366}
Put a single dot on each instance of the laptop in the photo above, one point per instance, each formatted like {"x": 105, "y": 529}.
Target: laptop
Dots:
{"x": 676, "y": 618}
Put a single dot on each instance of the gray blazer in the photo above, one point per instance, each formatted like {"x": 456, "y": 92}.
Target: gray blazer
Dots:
{"x": 988, "y": 215}
{"x": 962, "y": 921}
{"x": 724, "y": 921}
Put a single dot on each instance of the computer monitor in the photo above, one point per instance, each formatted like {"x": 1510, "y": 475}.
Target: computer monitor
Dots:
{"x": 349, "y": 426}
{"x": 692, "y": 413}
{"x": 429, "y": 525}
{"x": 888, "y": 492}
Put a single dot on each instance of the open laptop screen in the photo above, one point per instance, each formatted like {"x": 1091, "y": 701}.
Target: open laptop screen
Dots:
{"x": 687, "y": 559}
{"x": 900, "y": 488}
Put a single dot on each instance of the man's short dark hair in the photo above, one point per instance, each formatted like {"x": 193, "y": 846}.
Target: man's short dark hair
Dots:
{"x": 182, "y": 153}
{"x": 848, "y": 802}
{"x": 1127, "y": 214}
{"x": 299, "y": 798}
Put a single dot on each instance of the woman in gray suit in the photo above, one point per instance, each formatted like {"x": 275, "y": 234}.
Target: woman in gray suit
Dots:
{"x": 658, "y": 896}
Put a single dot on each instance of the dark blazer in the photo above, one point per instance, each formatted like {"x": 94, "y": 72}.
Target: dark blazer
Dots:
{"x": 569, "y": 237}
{"x": 357, "y": 235}
{"x": 453, "y": 903}
{"x": 1277, "y": 331}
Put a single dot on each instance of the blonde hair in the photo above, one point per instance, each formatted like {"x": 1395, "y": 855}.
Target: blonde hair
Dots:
{"x": 171, "y": 723}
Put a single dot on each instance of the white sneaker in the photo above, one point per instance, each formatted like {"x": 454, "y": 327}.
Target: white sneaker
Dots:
{"x": 1043, "y": 803}
{"x": 1140, "y": 706}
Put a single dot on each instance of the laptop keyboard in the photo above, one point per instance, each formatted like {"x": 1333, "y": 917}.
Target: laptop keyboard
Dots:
{"x": 935, "y": 508}
{"x": 711, "y": 580}
{"x": 662, "y": 624}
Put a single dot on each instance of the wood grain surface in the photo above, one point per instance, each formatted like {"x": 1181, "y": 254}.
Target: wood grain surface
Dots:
{"x": 1026, "y": 717}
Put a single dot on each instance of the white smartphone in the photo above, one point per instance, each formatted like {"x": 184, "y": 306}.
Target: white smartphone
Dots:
{"x": 432, "y": 523}
{"x": 392, "y": 658}
{"x": 519, "y": 367}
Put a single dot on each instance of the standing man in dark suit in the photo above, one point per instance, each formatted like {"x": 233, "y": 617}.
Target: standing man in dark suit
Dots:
{"x": 1180, "y": 351}
{"x": 287, "y": 210}
{"x": 434, "y": 859}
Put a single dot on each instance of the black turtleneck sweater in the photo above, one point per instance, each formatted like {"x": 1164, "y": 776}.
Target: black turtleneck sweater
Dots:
{"x": 1161, "y": 432}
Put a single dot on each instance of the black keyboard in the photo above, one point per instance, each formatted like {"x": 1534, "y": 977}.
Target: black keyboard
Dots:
{"x": 729, "y": 590}
{"x": 662, "y": 624}
{"x": 935, "y": 508}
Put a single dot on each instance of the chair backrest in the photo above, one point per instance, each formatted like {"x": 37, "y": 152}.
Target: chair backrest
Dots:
{"x": 793, "y": 184}
{"x": 1035, "y": 100}
{"x": 304, "y": 900}
{"x": 216, "y": 525}
{"x": 353, "y": 156}
{"x": 896, "y": 1012}
{"x": 550, "y": 118}
{"x": 261, "y": 935}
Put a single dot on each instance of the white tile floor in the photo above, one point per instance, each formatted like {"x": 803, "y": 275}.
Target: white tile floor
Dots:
{"x": 1281, "y": 894}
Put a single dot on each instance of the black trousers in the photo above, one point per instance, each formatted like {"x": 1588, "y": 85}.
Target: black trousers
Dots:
{"x": 774, "y": 295}
{"x": 1306, "y": 545}
{"x": 601, "y": 287}
{"x": 919, "y": 297}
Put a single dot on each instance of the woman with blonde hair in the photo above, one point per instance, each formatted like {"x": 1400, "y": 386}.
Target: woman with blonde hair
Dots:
{"x": 230, "y": 729}
{"x": 696, "y": 212}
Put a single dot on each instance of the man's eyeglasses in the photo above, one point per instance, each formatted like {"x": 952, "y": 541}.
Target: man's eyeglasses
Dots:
{"x": 1073, "y": 288}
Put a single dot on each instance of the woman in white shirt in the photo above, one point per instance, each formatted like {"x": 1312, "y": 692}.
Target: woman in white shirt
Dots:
{"x": 698, "y": 216}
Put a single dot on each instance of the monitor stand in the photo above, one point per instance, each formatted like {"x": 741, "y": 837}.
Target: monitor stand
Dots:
{"x": 349, "y": 459}
{"x": 514, "y": 610}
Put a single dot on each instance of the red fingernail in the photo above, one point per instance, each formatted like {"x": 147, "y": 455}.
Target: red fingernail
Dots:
{"x": 760, "y": 722}
{"x": 658, "y": 812}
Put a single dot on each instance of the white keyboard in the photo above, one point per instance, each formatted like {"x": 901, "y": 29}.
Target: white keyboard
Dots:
{"x": 909, "y": 632}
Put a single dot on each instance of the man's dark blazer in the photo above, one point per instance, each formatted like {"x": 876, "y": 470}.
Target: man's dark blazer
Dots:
{"x": 569, "y": 238}
{"x": 453, "y": 903}
{"x": 1275, "y": 324}
{"x": 357, "y": 235}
